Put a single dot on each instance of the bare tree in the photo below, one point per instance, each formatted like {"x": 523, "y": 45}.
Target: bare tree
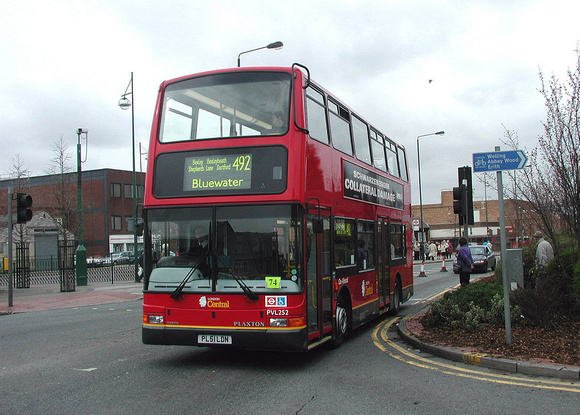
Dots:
{"x": 61, "y": 161}
{"x": 551, "y": 184}
{"x": 64, "y": 189}
{"x": 19, "y": 175}
{"x": 527, "y": 191}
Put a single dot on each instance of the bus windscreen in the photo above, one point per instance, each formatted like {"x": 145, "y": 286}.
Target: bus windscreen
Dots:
{"x": 230, "y": 105}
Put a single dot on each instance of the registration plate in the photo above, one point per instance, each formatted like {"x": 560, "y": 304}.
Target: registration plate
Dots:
{"x": 214, "y": 339}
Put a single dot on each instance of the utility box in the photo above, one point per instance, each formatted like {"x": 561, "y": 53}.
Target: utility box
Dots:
{"x": 514, "y": 264}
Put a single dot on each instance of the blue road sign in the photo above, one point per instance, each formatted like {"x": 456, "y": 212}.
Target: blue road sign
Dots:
{"x": 499, "y": 160}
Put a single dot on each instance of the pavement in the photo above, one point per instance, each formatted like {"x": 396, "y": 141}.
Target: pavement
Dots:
{"x": 48, "y": 296}
{"x": 41, "y": 297}
{"x": 405, "y": 329}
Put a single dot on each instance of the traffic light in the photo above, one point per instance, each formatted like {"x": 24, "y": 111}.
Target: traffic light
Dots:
{"x": 23, "y": 204}
{"x": 464, "y": 174}
{"x": 459, "y": 201}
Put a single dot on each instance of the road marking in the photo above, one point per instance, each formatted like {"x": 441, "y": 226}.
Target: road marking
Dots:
{"x": 382, "y": 342}
{"x": 90, "y": 369}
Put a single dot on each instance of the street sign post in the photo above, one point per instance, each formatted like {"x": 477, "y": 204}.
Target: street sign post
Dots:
{"x": 499, "y": 161}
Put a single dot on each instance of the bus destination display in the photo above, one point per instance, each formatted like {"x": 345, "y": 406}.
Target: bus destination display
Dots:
{"x": 218, "y": 172}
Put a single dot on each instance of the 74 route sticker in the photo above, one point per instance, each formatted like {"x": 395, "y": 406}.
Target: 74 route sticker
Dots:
{"x": 273, "y": 282}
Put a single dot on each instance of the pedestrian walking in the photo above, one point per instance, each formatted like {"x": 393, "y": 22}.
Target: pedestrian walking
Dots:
{"x": 432, "y": 250}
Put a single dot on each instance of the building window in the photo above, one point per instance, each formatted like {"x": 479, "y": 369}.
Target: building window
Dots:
{"x": 128, "y": 191}
{"x": 116, "y": 223}
{"x": 115, "y": 189}
{"x": 130, "y": 223}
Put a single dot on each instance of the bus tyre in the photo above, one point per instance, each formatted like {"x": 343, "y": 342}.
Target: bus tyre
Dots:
{"x": 341, "y": 324}
{"x": 396, "y": 297}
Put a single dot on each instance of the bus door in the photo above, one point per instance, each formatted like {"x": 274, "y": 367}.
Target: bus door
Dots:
{"x": 318, "y": 272}
{"x": 384, "y": 262}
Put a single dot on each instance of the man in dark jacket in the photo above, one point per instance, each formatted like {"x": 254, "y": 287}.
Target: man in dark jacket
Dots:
{"x": 465, "y": 260}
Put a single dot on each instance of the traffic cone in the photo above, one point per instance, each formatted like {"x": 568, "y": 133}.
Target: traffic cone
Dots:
{"x": 422, "y": 273}
{"x": 443, "y": 269}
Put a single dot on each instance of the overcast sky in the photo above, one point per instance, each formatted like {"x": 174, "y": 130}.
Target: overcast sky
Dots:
{"x": 65, "y": 64}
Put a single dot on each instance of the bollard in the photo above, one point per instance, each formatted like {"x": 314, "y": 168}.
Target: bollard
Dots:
{"x": 443, "y": 269}
{"x": 422, "y": 273}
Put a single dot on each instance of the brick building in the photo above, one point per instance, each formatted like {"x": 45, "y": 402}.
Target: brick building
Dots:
{"x": 107, "y": 205}
{"x": 441, "y": 223}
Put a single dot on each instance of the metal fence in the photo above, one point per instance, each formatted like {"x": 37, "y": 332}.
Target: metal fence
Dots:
{"x": 114, "y": 273}
{"x": 60, "y": 269}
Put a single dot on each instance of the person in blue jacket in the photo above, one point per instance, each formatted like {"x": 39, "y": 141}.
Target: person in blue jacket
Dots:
{"x": 465, "y": 260}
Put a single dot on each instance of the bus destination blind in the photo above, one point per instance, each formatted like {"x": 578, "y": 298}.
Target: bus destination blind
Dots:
{"x": 218, "y": 172}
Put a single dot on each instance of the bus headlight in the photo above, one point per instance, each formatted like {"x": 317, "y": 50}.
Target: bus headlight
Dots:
{"x": 153, "y": 319}
{"x": 278, "y": 322}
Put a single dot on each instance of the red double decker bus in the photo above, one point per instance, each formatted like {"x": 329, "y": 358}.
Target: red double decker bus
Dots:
{"x": 275, "y": 216}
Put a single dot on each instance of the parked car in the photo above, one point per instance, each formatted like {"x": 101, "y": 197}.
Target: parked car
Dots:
{"x": 483, "y": 258}
{"x": 118, "y": 258}
{"x": 95, "y": 261}
{"x": 127, "y": 257}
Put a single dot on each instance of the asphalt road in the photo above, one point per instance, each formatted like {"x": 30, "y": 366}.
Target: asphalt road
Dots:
{"x": 90, "y": 360}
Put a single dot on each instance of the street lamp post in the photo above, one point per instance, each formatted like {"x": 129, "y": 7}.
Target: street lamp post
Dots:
{"x": 276, "y": 45}
{"x": 81, "y": 252}
{"x": 422, "y": 226}
{"x": 125, "y": 103}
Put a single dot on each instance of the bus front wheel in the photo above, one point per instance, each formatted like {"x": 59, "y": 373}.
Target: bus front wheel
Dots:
{"x": 341, "y": 323}
{"x": 396, "y": 306}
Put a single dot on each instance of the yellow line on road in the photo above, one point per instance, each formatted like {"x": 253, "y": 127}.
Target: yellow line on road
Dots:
{"x": 382, "y": 342}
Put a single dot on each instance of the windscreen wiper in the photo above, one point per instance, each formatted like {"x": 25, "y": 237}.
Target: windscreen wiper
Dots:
{"x": 247, "y": 291}
{"x": 175, "y": 294}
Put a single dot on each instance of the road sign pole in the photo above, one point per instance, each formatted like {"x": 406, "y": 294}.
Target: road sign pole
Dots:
{"x": 504, "y": 268}
{"x": 10, "y": 242}
{"x": 499, "y": 161}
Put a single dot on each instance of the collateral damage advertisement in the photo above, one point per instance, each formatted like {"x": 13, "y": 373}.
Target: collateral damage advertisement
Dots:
{"x": 368, "y": 186}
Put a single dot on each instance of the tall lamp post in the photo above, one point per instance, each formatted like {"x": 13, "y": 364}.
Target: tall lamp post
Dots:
{"x": 81, "y": 252}
{"x": 125, "y": 103}
{"x": 422, "y": 226}
{"x": 275, "y": 45}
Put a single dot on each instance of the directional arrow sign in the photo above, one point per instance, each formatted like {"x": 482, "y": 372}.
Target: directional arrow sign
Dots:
{"x": 499, "y": 160}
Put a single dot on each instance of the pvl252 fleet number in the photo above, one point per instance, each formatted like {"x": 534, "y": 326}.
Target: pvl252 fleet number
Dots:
{"x": 276, "y": 312}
